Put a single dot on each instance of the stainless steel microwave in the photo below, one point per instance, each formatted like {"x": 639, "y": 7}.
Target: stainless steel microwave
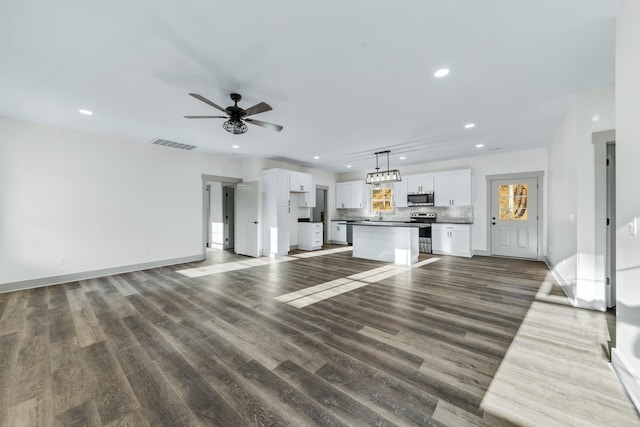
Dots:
{"x": 420, "y": 199}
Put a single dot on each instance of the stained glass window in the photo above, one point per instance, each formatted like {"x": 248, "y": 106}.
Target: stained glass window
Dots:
{"x": 513, "y": 202}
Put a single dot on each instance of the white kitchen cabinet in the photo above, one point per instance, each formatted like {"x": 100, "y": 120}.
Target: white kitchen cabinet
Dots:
{"x": 343, "y": 195}
{"x": 358, "y": 194}
{"x": 276, "y": 185}
{"x": 453, "y": 188}
{"x": 422, "y": 183}
{"x": 400, "y": 194}
{"x": 451, "y": 239}
{"x": 308, "y": 199}
{"x": 310, "y": 235}
{"x": 301, "y": 182}
{"x": 350, "y": 195}
{"x": 275, "y": 212}
{"x": 339, "y": 232}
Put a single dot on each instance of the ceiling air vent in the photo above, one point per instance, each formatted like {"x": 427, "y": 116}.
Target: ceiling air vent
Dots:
{"x": 172, "y": 144}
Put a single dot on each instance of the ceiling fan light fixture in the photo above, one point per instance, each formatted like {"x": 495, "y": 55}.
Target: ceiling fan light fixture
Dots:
{"x": 235, "y": 127}
{"x": 380, "y": 177}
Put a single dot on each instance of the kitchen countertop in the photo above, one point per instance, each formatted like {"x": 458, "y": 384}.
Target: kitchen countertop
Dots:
{"x": 448, "y": 221}
{"x": 392, "y": 224}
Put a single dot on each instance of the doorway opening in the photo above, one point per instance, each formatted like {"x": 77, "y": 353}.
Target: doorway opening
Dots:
{"x": 319, "y": 212}
{"x": 218, "y": 213}
{"x": 515, "y": 214}
{"x": 605, "y": 214}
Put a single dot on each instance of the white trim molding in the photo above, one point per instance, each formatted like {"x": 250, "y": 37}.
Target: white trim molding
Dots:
{"x": 73, "y": 277}
{"x": 629, "y": 380}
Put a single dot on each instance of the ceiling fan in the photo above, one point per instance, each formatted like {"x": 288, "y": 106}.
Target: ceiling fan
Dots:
{"x": 237, "y": 116}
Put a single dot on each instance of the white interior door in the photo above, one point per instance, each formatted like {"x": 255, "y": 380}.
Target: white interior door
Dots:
{"x": 514, "y": 217}
{"x": 247, "y": 227}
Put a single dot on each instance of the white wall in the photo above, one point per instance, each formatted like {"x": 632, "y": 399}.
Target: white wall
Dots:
{"x": 626, "y": 356}
{"x": 481, "y": 166}
{"x": 571, "y": 247}
{"x": 562, "y": 198}
{"x": 73, "y": 202}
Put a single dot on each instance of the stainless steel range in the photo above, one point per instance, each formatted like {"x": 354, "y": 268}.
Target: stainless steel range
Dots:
{"x": 424, "y": 233}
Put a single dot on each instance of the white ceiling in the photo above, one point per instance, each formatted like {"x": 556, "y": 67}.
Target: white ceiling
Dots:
{"x": 344, "y": 78}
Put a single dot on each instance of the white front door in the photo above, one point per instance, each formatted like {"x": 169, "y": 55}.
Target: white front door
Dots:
{"x": 247, "y": 227}
{"x": 514, "y": 217}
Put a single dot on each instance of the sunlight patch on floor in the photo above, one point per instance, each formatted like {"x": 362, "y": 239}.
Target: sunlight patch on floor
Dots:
{"x": 233, "y": 266}
{"x": 323, "y": 291}
{"x": 571, "y": 381}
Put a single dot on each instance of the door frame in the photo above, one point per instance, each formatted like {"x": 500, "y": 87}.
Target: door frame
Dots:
{"x": 600, "y": 142}
{"x": 539, "y": 175}
{"x": 205, "y": 207}
{"x": 325, "y": 224}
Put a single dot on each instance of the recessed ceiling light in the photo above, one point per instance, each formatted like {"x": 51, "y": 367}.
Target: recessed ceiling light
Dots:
{"x": 348, "y": 166}
{"x": 316, "y": 157}
{"x": 235, "y": 146}
{"x": 479, "y": 145}
{"x": 596, "y": 118}
{"x": 85, "y": 112}
{"x": 441, "y": 72}
{"x": 402, "y": 157}
{"x": 469, "y": 125}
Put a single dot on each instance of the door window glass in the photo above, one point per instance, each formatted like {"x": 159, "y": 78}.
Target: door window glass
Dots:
{"x": 513, "y": 202}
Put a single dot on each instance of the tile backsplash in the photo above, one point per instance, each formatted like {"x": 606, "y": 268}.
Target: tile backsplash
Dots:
{"x": 443, "y": 213}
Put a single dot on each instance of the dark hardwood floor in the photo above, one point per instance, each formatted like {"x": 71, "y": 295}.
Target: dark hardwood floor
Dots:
{"x": 480, "y": 341}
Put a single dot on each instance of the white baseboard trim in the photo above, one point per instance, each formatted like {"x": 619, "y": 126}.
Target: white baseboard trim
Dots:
{"x": 73, "y": 277}
{"x": 628, "y": 379}
{"x": 480, "y": 252}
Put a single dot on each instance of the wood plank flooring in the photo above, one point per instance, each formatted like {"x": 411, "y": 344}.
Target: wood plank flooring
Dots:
{"x": 481, "y": 341}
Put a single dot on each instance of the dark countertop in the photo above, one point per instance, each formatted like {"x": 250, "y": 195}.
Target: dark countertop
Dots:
{"x": 392, "y": 224}
{"x": 454, "y": 221}
{"x": 364, "y": 221}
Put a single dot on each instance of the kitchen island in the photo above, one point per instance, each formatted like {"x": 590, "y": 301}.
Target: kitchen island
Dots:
{"x": 386, "y": 241}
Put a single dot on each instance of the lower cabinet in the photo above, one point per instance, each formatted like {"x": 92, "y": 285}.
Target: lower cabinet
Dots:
{"x": 339, "y": 232}
{"x": 451, "y": 239}
{"x": 310, "y": 235}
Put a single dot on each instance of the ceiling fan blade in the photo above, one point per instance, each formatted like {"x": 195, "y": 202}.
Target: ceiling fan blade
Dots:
{"x": 206, "y": 117}
{"x": 206, "y": 101}
{"x": 271, "y": 126}
{"x": 258, "y": 108}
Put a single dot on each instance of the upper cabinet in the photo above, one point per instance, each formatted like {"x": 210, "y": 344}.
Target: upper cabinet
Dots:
{"x": 350, "y": 195}
{"x": 308, "y": 199}
{"x": 275, "y": 184}
{"x": 422, "y": 183}
{"x": 343, "y": 195}
{"x": 400, "y": 194}
{"x": 301, "y": 182}
{"x": 453, "y": 188}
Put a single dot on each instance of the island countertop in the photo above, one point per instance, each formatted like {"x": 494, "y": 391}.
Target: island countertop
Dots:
{"x": 391, "y": 224}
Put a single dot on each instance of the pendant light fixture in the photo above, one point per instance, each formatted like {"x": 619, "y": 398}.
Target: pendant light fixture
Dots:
{"x": 381, "y": 177}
